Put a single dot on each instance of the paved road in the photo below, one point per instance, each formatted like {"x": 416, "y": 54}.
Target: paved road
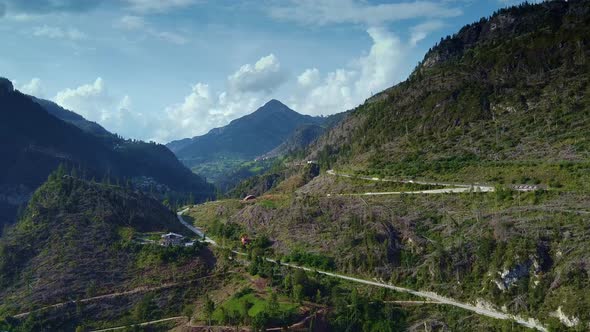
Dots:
{"x": 193, "y": 228}
{"x": 428, "y": 295}
{"x": 452, "y": 187}
{"x": 143, "y": 324}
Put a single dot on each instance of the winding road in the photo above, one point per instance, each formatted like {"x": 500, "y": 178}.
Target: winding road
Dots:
{"x": 452, "y": 188}
{"x": 479, "y": 309}
{"x": 143, "y": 324}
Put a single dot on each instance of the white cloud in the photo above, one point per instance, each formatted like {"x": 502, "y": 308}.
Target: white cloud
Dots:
{"x": 202, "y": 110}
{"x": 95, "y": 102}
{"x": 33, "y": 88}
{"x": 130, "y": 22}
{"x": 421, "y": 31}
{"x": 322, "y": 12}
{"x": 247, "y": 88}
{"x": 58, "y": 33}
{"x": 264, "y": 76}
{"x": 158, "y": 6}
{"x": 309, "y": 78}
{"x": 87, "y": 100}
{"x": 345, "y": 88}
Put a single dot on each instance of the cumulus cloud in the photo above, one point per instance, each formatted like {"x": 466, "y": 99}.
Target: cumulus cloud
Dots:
{"x": 309, "y": 78}
{"x": 58, "y": 33}
{"x": 264, "y": 76}
{"x": 33, "y": 88}
{"x": 322, "y": 12}
{"x": 96, "y": 103}
{"x": 89, "y": 100}
{"x": 202, "y": 109}
{"x": 345, "y": 88}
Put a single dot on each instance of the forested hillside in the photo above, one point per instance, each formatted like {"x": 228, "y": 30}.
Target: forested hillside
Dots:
{"x": 79, "y": 239}
{"x": 33, "y": 143}
{"x": 505, "y": 101}
{"x": 510, "y": 88}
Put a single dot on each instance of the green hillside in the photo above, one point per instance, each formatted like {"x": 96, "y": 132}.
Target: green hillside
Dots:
{"x": 504, "y": 100}
{"x": 79, "y": 239}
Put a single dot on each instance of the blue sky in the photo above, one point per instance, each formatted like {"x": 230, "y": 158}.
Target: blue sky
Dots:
{"x": 168, "y": 69}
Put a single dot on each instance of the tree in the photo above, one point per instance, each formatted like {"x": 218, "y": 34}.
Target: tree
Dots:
{"x": 298, "y": 292}
{"x": 188, "y": 311}
{"x": 209, "y": 309}
{"x": 273, "y": 304}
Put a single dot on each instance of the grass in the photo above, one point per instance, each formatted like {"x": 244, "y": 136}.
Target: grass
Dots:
{"x": 250, "y": 303}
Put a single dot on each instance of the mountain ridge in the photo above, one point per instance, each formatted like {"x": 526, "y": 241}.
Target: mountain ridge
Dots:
{"x": 223, "y": 149}
{"x": 506, "y": 88}
{"x": 35, "y": 142}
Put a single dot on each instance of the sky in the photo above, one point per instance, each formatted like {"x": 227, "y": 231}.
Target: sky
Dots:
{"x": 160, "y": 70}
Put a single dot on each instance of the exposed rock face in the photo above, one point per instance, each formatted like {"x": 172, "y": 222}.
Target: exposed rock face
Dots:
{"x": 510, "y": 277}
{"x": 564, "y": 319}
{"x": 6, "y": 86}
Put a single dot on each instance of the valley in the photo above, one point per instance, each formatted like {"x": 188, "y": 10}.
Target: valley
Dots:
{"x": 455, "y": 200}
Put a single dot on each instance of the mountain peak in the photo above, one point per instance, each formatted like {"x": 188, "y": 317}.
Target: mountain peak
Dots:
{"x": 6, "y": 86}
{"x": 274, "y": 105}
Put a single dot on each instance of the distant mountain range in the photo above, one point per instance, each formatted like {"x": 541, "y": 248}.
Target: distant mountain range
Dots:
{"x": 244, "y": 139}
{"x": 247, "y": 137}
{"x": 37, "y": 135}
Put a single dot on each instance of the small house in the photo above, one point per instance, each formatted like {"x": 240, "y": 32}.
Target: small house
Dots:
{"x": 249, "y": 198}
{"x": 171, "y": 239}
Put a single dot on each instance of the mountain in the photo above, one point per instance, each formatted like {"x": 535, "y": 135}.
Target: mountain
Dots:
{"x": 243, "y": 139}
{"x": 33, "y": 143}
{"x": 79, "y": 239}
{"x": 71, "y": 117}
{"x": 510, "y": 88}
{"x": 504, "y": 101}
{"x": 303, "y": 136}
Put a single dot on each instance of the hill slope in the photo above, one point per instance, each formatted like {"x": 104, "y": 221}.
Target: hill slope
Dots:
{"x": 79, "y": 239}
{"x": 505, "y": 101}
{"x": 511, "y": 88}
{"x": 71, "y": 117}
{"x": 33, "y": 143}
